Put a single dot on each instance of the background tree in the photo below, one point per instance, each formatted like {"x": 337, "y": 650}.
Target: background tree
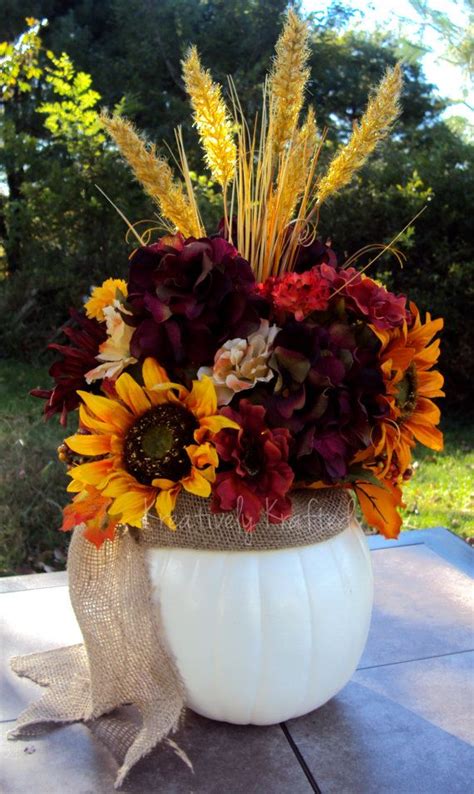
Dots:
{"x": 67, "y": 237}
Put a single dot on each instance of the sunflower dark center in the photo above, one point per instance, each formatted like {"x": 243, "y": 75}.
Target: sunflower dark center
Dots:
{"x": 155, "y": 444}
{"x": 407, "y": 392}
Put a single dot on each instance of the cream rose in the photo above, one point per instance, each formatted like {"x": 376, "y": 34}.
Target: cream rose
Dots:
{"x": 241, "y": 363}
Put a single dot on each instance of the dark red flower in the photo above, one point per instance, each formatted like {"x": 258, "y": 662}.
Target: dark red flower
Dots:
{"x": 365, "y": 297}
{"x": 315, "y": 254}
{"x": 78, "y": 357}
{"x": 256, "y": 475}
{"x": 187, "y": 298}
{"x": 328, "y": 380}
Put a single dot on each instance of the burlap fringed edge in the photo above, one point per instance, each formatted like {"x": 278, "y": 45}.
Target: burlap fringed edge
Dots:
{"x": 317, "y": 515}
{"x": 125, "y": 659}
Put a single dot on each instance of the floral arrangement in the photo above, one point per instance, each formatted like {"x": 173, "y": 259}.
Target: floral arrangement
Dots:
{"x": 242, "y": 364}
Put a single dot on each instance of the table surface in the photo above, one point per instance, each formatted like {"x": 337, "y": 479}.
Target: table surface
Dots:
{"x": 404, "y": 723}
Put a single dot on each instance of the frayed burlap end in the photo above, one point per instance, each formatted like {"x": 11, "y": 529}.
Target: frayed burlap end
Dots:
{"x": 125, "y": 659}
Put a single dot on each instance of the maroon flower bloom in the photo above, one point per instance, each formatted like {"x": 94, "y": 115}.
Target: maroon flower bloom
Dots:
{"x": 78, "y": 357}
{"x": 187, "y": 297}
{"x": 315, "y": 254}
{"x": 256, "y": 475}
{"x": 328, "y": 380}
{"x": 365, "y": 297}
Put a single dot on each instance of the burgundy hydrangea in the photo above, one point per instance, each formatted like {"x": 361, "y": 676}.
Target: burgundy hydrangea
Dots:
{"x": 187, "y": 297}
{"x": 256, "y": 476}
{"x": 328, "y": 380}
{"x": 315, "y": 254}
{"x": 78, "y": 357}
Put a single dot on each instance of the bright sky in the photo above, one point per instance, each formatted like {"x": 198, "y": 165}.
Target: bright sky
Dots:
{"x": 396, "y": 14}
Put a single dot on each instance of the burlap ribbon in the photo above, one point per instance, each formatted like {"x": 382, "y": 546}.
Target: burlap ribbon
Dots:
{"x": 125, "y": 659}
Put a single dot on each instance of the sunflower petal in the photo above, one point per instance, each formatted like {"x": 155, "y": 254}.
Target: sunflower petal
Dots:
{"x": 430, "y": 383}
{"x": 202, "y": 455}
{"x": 163, "y": 484}
{"x": 75, "y": 487}
{"x": 212, "y": 425}
{"x": 426, "y": 411}
{"x": 119, "y": 484}
{"x": 153, "y": 374}
{"x": 91, "y": 423}
{"x": 108, "y": 411}
{"x": 197, "y": 484}
{"x": 429, "y": 436}
{"x": 96, "y": 473}
{"x": 421, "y": 335}
{"x": 89, "y": 445}
{"x": 165, "y": 504}
{"x": 202, "y": 400}
{"x": 131, "y": 507}
{"x": 132, "y": 394}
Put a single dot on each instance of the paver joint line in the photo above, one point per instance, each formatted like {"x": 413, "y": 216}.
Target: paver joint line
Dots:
{"x": 300, "y": 759}
{"x": 416, "y": 659}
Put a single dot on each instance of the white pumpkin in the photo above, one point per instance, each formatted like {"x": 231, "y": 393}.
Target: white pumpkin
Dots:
{"x": 263, "y": 636}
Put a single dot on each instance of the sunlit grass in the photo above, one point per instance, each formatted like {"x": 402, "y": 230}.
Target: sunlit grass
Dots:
{"x": 32, "y": 481}
{"x": 441, "y": 492}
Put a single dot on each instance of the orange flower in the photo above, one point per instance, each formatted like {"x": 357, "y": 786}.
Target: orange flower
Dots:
{"x": 150, "y": 442}
{"x": 104, "y": 296}
{"x": 379, "y": 505}
{"x": 90, "y": 507}
{"x": 407, "y": 357}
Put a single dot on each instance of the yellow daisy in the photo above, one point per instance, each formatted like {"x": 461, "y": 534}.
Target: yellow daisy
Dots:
{"x": 104, "y": 296}
{"x": 151, "y": 442}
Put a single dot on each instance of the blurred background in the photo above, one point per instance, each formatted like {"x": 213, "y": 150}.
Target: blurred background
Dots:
{"x": 60, "y": 62}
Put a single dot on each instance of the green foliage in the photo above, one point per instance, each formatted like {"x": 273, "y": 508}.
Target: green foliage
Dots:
{"x": 19, "y": 62}
{"x": 59, "y": 235}
{"x": 58, "y": 232}
{"x": 72, "y": 116}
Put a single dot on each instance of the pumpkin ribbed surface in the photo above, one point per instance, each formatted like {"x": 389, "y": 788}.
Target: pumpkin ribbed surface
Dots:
{"x": 264, "y": 636}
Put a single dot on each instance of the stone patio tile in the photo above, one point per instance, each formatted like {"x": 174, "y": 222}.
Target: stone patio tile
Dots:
{"x": 440, "y": 690}
{"x": 423, "y": 607}
{"x": 9, "y": 584}
{"x": 65, "y": 760}
{"x": 445, "y": 543}
{"x": 226, "y": 758}
{"x": 33, "y": 581}
{"x": 31, "y": 620}
{"x": 362, "y": 742}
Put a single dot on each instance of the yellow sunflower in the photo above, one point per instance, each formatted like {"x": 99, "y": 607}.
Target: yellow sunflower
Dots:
{"x": 104, "y": 296}
{"x": 151, "y": 441}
